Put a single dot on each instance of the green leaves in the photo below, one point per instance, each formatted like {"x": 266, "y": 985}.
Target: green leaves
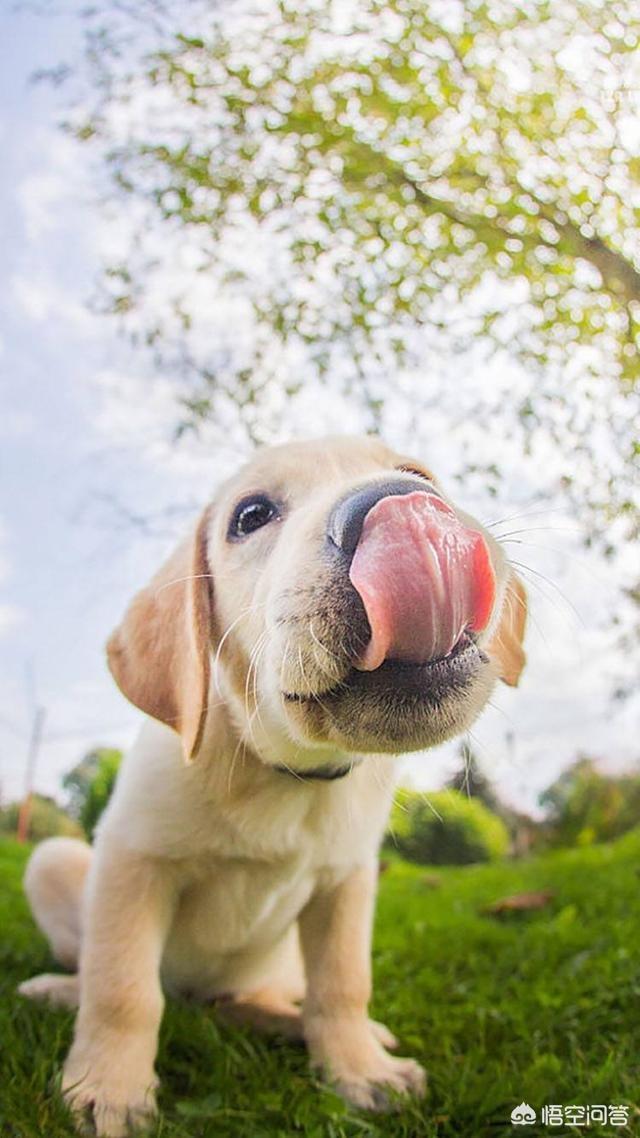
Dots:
{"x": 398, "y": 181}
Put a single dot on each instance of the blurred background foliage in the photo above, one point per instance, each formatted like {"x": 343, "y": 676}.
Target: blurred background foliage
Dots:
{"x": 445, "y": 828}
{"x": 585, "y": 806}
{"x": 465, "y": 822}
{"x": 366, "y": 189}
{"x": 46, "y": 819}
{"x": 89, "y": 786}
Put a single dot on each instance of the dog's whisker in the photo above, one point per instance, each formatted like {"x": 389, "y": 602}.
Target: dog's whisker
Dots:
{"x": 425, "y": 798}
{"x": 248, "y": 611}
{"x": 241, "y": 746}
{"x": 540, "y": 529}
{"x": 537, "y": 573}
{"x": 513, "y": 599}
{"x": 295, "y": 773}
{"x": 349, "y": 796}
{"x": 183, "y": 580}
{"x": 249, "y": 729}
{"x": 466, "y": 763}
{"x": 526, "y": 514}
{"x": 571, "y": 556}
{"x": 250, "y": 717}
{"x": 256, "y": 656}
{"x": 303, "y": 676}
{"x": 478, "y": 746}
{"x": 255, "y": 661}
{"x": 496, "y": 707}
{"x": 306, "y": 683}
{"x": 283, "y": 664}
{"x": 329, "y": 652}
{"x": 377, "y": 774}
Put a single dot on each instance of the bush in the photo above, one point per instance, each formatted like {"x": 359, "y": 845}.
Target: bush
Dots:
{"x": 46, "y": 820}
{"x": 90, "y": 785}
{"x": 445, "y": 828}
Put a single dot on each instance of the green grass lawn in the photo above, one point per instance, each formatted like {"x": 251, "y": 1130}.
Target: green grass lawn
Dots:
{"x": 543, "y": 1006}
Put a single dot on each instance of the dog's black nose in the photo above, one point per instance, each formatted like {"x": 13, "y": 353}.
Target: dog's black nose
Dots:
{"x": 347, "y": 516}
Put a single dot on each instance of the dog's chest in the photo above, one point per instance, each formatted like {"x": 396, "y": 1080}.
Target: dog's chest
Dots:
{"x": 260, "y": 865}
{"x": 234, "y": 904}
{"x": 325, "y": 827}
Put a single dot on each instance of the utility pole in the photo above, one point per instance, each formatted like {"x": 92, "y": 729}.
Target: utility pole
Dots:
{"x": 35, "y": 740}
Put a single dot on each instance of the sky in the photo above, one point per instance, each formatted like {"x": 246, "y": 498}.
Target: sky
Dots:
{"x": 92, "y": 492}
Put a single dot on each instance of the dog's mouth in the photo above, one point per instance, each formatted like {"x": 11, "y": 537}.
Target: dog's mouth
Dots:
{"x": 419, "y": 590}
{"x": 428, "y": 681}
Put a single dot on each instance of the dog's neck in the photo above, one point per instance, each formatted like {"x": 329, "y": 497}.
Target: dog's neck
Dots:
{"x": 265, "y": 743}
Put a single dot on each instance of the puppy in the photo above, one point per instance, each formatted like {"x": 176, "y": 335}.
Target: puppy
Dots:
{"x": 330, "y": 610}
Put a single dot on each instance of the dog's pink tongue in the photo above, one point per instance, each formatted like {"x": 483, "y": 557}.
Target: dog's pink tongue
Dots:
{"x": 423, "y": 577}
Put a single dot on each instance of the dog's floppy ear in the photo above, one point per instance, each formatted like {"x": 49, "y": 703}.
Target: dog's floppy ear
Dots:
{"x": 505, "y": 646}
{"x": 160, "y": 654}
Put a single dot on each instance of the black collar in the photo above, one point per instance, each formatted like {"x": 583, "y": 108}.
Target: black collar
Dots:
{"x": 318, "y": 774}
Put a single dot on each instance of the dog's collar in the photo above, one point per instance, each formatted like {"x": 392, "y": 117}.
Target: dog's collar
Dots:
{"x": 317, "y": 774}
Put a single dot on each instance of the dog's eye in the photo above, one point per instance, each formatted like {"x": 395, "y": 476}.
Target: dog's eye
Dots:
{"x": 252, "y": 514}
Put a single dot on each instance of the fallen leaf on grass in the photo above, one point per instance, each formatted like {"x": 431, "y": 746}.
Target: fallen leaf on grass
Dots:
{"x": 520, "y": 903}
{"x": 431, "y": 880}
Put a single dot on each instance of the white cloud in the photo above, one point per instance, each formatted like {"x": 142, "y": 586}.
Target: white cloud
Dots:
{"x": 41, "y": 299}
{"x": 58, "y": 178}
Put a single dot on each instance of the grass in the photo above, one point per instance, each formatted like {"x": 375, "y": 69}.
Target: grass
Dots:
{"x": 542, "y": 1007}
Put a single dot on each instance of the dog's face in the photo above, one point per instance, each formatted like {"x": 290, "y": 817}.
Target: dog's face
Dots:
{"x": 336, "y": 600}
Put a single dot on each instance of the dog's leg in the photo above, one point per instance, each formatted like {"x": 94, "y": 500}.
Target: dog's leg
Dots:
{"x": 335, "y": 931}
{"x": 270, "y": 1012}
{"x": 54, "y": 883}
{"x": 109, "y": 1072}
{"x": 61, "y": 991}
{"x": 266, "y": 1010}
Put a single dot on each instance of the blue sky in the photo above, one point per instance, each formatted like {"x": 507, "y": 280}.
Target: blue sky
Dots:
{"x": 65, "y": 571}
{"x": 83, "y": 441}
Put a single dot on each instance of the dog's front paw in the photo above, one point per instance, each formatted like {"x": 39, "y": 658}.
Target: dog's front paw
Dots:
{"x": 383, "y": 1035}
{"x": 376, "y": 1085}
{"x": 116, "y": 1100}
{"x": 350, "y": 1054}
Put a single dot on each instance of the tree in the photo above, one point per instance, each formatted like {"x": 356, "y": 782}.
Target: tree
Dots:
{"x": 584, "y": 805}
{"x": 343, "y": 192}
{"x": 90, "y": 785}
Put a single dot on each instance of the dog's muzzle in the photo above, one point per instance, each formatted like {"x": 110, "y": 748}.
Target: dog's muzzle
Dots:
{"x": 424, "y": 576}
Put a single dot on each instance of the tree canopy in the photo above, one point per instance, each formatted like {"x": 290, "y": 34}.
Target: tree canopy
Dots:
{"x": 585, "y": 805}
{"x": 367, "y": 188}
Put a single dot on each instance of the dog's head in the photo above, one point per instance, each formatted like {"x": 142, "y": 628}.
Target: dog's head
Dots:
{"x": 336, "y": 601}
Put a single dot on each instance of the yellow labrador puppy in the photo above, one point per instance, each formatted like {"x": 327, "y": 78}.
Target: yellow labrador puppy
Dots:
{"x": 331, "y": 609}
